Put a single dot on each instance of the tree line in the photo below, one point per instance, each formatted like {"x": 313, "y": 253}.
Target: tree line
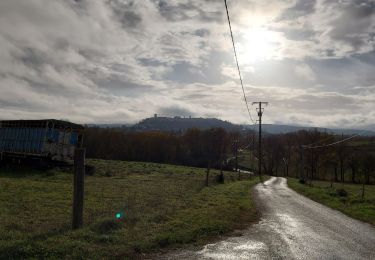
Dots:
{"x": 282, "y": 154}
{"x": 198, "y": 148}
{"x": 194, "y": 147}
{"x": 305, "y": 155}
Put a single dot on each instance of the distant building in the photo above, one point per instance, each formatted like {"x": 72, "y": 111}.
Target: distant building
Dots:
{"x": 155, "y": 115}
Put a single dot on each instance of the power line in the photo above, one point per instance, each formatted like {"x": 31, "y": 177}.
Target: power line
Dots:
{"x": 327, "y": 145}
{"x": 238, "y": 67}
{"x": 301, "y": 174}
{"x": 244, "y": 147}
{"x": 320, "y": 141}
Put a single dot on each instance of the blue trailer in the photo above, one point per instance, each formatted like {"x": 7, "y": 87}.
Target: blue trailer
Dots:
{"x": 51, "y": 139}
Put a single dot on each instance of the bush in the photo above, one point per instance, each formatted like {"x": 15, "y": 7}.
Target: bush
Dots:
{"x": 50, "y": 173}
{"x": 219, "y": 178}
{"x": 106, "y": 226}
{"x": 108, "y": 174}
{"x": 163, "y": 242}
{"x": 342, "y": 192}
{"x": 302, "y": 181}
{"x": 90, "y": 170}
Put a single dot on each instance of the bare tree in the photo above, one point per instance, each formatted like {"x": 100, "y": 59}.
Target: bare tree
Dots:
{"x": 354, "y": 163}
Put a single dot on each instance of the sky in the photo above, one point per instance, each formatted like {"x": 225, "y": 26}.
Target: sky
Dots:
{"x": 119, "y": 61}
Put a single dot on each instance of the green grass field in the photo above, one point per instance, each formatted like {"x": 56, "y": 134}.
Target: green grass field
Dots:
{"x": 247, "y": 160}
{"x": 352, "y": 204}
{"x": 163, "y": 206}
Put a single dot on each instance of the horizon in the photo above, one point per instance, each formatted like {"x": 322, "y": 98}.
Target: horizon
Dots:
{"x": 368, "y": 128}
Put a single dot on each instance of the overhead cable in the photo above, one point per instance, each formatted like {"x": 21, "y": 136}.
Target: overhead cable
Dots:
{"x": 238, "y": 67}
{"x": 331, "y": 144}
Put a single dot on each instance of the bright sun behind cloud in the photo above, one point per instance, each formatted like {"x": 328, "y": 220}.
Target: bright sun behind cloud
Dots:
{"x": 259, "y": 44}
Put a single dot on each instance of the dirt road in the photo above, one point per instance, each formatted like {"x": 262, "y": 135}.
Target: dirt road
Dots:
{"x": 292, "y": 227}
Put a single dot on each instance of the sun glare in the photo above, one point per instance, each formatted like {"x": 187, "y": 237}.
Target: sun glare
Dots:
{"x": 259, "y": 44}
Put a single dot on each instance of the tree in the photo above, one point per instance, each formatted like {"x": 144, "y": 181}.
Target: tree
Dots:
{"x": 288, "y": 144}
{"x": 368, "y": 167}
{"x": 194, "y": 147}
{"x": 354, "y": 163}
{"x": 342, "y": 156}
{"x": 215, "y": 145}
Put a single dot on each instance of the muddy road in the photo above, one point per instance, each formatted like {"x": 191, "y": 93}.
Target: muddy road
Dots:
{"x": 292, "y": 227}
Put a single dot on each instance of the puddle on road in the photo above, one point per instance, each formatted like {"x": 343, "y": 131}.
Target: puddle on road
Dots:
{"x": 234, "y": 250}
{"x": 251, "y": 245}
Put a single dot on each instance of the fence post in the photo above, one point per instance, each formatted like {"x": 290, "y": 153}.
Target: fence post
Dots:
{"x": 78, "y": 193}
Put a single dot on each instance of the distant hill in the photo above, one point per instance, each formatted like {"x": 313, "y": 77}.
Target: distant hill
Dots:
{"x": 109, "y": 125}
{"x": 282, "y": 129}
{"x": 178, "y": 124}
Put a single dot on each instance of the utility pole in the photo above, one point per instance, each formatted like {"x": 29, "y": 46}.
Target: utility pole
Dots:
{"x": 236, "y": 154}
{"x": 78, "y": 193}
{"x": 301, "y": 172}
{"x": 252, "y": 152}
{"x": 260, "y": 113}
{"x": 235, "y": 148}
{"x": 341, "y": 158}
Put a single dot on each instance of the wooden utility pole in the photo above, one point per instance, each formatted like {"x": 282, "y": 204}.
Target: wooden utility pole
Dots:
{"x": 260, "y": 114}
{"x": 252, "y": 152}
{"x": 302, "y": 167}
{"x": 236, "y": 154}
{"x": 78, "y": 193}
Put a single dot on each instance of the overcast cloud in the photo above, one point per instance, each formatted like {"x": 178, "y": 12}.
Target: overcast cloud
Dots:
{"x": 118, "y": 61}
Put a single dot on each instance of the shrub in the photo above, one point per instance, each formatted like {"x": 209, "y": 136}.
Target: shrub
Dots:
{"x": 106, "y": 226}
{"x": 50, "y": 173}
{"x": 342, "y": 192}
{"x": 90, "y": 170}
{"x": 219, "y": 178}
{"x": 108, "y": 174}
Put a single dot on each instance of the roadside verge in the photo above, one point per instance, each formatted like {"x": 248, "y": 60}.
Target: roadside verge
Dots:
{"x": 344, "y": 197}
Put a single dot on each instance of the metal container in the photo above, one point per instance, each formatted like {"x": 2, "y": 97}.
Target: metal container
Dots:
{"x": 50, "y": 138}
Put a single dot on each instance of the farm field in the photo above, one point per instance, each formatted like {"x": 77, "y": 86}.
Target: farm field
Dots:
{"x": 246, "y": 160}
{"x": 351, "y": 204}
{"x": 162, "y": 206}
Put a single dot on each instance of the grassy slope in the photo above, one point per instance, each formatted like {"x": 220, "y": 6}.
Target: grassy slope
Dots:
{"x": 352, "y": 205}
{"x": 245, "y": 159}
{"x": 164, "y": 205}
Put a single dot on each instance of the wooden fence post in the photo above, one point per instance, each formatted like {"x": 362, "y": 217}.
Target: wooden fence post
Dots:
{"x": 78, "y": 194}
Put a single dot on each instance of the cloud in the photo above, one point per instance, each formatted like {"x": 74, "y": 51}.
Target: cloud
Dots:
{"x": 175, "y": 111}
{"x": 305, "y": 72}
{"x": 298, "y": 9}
{"x": 122, "y": 60}
{"x": 309, "y": 106}
{"x": 188, "y": 10}
{"x": 354, "y": 24}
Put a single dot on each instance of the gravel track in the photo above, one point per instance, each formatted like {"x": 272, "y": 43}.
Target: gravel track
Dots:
{"x": 292, "y": 227}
